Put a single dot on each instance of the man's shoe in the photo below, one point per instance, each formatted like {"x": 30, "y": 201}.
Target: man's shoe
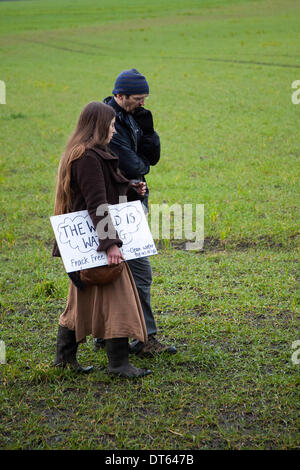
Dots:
{"x": 150, "y": 348}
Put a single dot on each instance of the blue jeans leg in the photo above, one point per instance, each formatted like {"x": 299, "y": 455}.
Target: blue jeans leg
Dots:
{"x": 142, "y": 274}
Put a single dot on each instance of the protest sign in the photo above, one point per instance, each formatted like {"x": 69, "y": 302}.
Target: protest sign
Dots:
{"x": 78, "y": 241}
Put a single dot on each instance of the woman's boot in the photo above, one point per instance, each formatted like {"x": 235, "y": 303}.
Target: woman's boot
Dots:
{"x": 66, "y": 350}
{"x": 118, "y": 363}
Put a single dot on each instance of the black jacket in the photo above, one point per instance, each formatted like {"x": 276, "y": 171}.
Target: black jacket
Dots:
{"x": 136, "y": 151}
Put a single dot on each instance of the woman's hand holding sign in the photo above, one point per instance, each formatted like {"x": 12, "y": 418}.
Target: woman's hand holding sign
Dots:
{"x": 114, "y": 255}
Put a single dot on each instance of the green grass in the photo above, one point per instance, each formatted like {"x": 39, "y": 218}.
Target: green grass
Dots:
{"x": 220, "y": 75}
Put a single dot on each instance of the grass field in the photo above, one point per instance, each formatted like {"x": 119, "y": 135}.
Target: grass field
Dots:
{"x": 220, "y": 75}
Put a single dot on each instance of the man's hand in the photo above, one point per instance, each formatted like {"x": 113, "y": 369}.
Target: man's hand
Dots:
{"x": 144, "y": 119}
{"x": 140, "y": 187}
{"x": 114, "y": 255}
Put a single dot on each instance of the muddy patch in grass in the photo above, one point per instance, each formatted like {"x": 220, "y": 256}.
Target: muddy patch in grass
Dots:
{"x": 212, "y": 244}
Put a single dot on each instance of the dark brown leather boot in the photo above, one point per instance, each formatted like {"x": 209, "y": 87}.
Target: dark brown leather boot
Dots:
{"x": 66, "y": 350}
{"x": 118, "y": 363}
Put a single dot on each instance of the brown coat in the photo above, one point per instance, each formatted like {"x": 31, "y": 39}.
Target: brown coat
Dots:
{"x": 111, "y": 311}
{"x": 96, "y": 180}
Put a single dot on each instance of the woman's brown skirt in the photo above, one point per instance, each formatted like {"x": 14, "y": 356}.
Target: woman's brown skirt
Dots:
{"x": 110, "y": 311}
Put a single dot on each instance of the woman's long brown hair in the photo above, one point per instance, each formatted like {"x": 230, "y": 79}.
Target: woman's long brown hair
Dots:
{"x": 92, "y": 129}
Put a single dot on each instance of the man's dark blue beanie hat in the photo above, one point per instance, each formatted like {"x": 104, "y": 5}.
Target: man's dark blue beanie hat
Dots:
{"x": 131, "y": 82}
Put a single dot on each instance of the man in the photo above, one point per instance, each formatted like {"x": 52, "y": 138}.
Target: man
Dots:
{"x": 138, "y": 147}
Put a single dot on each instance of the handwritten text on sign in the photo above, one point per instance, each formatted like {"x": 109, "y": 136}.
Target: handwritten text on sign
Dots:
{"x": 78, "y": 241}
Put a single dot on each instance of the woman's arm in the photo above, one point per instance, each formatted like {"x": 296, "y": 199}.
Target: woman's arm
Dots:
{"x": 88, "y": 173}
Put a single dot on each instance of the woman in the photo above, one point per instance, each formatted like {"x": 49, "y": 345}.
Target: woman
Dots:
{"x": 88, "y": 176}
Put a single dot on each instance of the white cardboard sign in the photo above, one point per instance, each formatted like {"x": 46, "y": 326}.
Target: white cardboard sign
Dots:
{"x": 78, "y": 241}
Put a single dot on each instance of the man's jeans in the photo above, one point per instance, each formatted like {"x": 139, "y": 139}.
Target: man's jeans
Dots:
{"x": 142, "y": 274}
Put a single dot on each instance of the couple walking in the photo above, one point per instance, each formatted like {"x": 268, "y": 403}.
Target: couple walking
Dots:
{"x": 107, "y": 156}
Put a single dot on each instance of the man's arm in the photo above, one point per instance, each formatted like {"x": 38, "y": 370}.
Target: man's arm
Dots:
{"x": 149, "y": 145}
{"x": 131, "y": 164}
